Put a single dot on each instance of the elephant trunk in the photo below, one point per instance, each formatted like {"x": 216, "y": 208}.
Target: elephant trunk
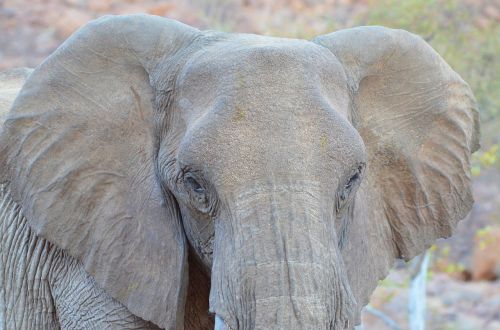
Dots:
{"x": 277, "y": 265}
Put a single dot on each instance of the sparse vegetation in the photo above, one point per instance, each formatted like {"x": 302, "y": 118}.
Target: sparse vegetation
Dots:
{"x": 458, "y": 32}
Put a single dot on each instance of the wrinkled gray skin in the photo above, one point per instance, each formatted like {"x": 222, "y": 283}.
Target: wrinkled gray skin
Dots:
{"x": 154, "y": 172}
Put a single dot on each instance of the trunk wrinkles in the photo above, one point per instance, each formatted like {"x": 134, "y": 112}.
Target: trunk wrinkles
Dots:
{"x": 277, "y": 264}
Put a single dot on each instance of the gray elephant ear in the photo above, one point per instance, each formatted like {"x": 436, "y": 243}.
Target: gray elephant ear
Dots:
{"x": 78, "y": 150}
{"x": 419, "y": 123}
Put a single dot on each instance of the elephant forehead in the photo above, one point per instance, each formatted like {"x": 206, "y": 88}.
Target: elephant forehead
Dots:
{"x": 258, "y": 73}
{"x": 258, "y": 109}
{"x": 278, "y": 142}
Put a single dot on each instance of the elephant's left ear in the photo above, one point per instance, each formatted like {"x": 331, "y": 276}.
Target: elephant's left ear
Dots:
{"x": 419, "y": 122}
{"x": 11, "y": 82}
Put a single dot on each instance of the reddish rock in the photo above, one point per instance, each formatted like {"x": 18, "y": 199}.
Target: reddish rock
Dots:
{"x": 486, "y": 257}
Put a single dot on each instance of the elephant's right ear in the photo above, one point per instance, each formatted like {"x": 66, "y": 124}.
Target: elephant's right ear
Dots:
{"x": 78, "y": 150}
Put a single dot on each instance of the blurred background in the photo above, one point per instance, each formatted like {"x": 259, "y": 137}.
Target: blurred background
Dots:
{"x": 463, "y": 278}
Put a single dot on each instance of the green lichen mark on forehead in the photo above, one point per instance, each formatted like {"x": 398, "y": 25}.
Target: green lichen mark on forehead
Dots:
{"x": 132, "y": 287}
{"x": 323, "y": 141}
{"x": 239, "y": 113}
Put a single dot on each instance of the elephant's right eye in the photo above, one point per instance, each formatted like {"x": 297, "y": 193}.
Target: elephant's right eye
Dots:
{"x": 194, "y": 185}
{"x": 198, "y": 194}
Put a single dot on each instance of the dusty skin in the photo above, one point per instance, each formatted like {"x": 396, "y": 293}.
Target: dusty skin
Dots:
{"x": 154, "y": 175}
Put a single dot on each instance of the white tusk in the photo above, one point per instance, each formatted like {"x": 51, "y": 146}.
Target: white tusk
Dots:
{"x": 220, "y": 324}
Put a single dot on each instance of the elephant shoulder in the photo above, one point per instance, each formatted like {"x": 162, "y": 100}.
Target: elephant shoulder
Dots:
{"x": 25, "y": 299}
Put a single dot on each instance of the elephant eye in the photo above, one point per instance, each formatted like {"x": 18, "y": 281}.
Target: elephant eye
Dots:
{"x": 345, "y": 193}
{"x": 199, "y": 197}
{"x": 194, "y": 185}
{"x": 352, "y": 181}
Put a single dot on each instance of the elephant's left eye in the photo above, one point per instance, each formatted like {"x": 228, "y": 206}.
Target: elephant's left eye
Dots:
{"x": 352, "y": 181}
{"x": 346, "y": 192}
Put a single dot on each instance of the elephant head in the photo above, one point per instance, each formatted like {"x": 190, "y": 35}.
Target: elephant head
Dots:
{"x": 294, "y": 171}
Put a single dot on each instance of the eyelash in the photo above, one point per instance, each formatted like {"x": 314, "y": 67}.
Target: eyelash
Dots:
{"x": 199, "y": 197}
{"x": 194, "y": 185}
{"x": 347, "y": 190}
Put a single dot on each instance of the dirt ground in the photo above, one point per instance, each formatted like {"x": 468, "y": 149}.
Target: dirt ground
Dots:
{"x": 31, "y": 29}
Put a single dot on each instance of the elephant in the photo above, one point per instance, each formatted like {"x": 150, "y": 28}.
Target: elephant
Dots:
{"x": 157, "y": 176}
